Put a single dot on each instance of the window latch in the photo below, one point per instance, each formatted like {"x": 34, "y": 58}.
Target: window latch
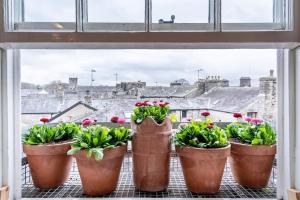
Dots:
{"x": 161, "y": 21}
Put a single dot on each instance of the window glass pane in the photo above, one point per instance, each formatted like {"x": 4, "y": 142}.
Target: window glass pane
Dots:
{"x": 247, "y": 11}
{"x": 49, "y": 10}
{"x": 113, "y": 11}
{"x": 185, "y": 11}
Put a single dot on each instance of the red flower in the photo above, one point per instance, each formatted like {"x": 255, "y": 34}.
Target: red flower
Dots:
{"x": 114, "y": 119}
{"x": 205, "y": 114}
{"x": 237, "y": 115}
{"x": 162, "y": 105}
{"x": 138, "y": 104}
{"x": 44, "y": 120}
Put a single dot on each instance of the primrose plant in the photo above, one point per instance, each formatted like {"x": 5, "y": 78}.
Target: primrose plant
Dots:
{"x": 95, "y": 138}
{"x": 158, "y": 110}
{"x": 253, "y": 131}
{"x": 43, "y": 134}
{"x": 201, "y": 134}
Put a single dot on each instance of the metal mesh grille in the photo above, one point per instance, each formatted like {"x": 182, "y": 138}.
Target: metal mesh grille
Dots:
{"x": 72, "y": 188}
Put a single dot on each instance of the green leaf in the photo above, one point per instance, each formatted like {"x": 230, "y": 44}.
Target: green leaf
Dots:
{"x": 173, "y": 118}
{"x": 84, "y": 145}
{"x": 73, "y": 150}
{"x": 98, "y": 153}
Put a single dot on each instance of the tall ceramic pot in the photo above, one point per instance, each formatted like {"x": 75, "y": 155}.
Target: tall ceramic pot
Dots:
{"x": 49, "y": 164}
{"x": 151, "y": 148}
{"x": 251, "y": 165}
{"x": 203, "y": 168}
{"x": 100, "y": 177}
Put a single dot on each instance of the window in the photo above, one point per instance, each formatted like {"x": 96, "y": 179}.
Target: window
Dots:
{"x": 252, "y": 15}
{"x": 48, "y": 15}
{"x": 252, "y": 114}
{"x": 149, "y": 15}
{"x": 182, "y": 15}
{"x": 183, "y": 113}
{"x": 115, "y": 15}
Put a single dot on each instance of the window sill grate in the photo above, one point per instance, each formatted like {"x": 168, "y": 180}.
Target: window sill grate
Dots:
{"x": 73, "y": 189}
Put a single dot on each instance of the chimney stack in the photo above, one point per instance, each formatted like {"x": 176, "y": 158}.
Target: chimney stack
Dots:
{"x": 245, "y": 82}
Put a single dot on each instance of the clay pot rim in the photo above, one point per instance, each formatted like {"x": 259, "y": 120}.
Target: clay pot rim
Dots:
{"x": 204, "y": 149}
{"x": 253, "y": 150}
{"x": 153, "y": 121}
{"x": 106, "y": 148}
{"x": 252, "y": 145}
{"x": 50, "y": 144}
{"x": 48, "y": 149}
{"x": 81, "y": 154}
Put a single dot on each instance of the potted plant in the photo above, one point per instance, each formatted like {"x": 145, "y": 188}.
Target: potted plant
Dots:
{"x": 46, "y": 151}
{"x": 253, "y": 150}
{"x": 203, "y": 149}
{"x": 99, "y": 153}
{"x": 151, "y": 145}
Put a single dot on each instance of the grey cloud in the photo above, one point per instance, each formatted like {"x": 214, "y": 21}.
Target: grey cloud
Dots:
{"x": 163, "y": 66}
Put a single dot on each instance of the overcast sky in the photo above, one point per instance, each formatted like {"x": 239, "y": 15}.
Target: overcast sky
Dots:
{"x": 152, "y": 66}
{"x": 162, "y": 66}
{"x": 192, "y": 11}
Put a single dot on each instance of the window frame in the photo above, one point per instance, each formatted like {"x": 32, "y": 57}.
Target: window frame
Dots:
{"x": 282, "y": 10}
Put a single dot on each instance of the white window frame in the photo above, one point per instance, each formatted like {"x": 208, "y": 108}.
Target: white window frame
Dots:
{"x": 279, "y": 23}
{"x": 282, "y": 21}
{"x": 213, "y": 21}
{"x": 10, "y": 120}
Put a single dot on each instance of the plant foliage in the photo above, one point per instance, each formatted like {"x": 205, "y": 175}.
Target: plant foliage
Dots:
{"x": 43, "y": 134}
{"x": 252, "y": 133}
{"x": 157, "y": 110}
{"x": 94, "y": 139}
{"x": 201, "y": 134}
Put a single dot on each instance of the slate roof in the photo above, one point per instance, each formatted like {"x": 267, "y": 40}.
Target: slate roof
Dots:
{"x": 230, "y": 99}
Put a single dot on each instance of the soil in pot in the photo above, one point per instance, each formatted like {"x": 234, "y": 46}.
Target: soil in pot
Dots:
{"x": 203, "y": 168}
{"x": 49, "y": 164}
{"x": 251, "y": 165}
{"x": 100, "y": 177}
{"x": 151, "y": 147}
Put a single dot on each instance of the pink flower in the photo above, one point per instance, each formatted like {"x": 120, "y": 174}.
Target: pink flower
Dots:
{"x": 237, "y": 115}
{"x": 205, "y": 114}
{"x": 138, "y": 104}
{"x": 44, "y": 120}
{"x": 114, "y": 119}
{"x": 86, "y": 122}
{"x": 248, "y": 119}
{"x": 147, "y": 103}
{"x": 210, "y": 126}
{"x": 161, "y": 101}
{"x": 121, "y": 121}
{"x": 167, "y": 103}
{"x": 189, "y": 119}
{"x": 256, "y": 121}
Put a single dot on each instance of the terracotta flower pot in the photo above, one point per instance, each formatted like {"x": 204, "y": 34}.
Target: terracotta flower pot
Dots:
{"x": 151, "y": 147}
{"x": 100, "y": 177}
{"x": 49, "y": 164}
{"x": 203, "y": 168}
{"x": 251, "y": 165}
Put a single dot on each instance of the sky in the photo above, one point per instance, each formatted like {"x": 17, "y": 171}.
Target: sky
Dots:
{"x": 189, "y": 11}
{"x": 161, "y": 66}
